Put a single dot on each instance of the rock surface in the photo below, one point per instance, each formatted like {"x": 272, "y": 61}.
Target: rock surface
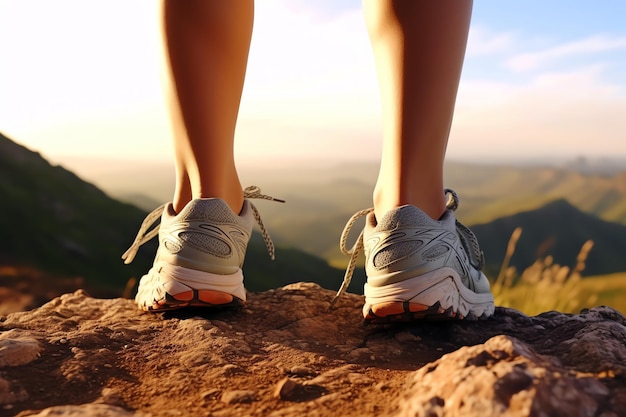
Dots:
{"x": 287, "y": 354}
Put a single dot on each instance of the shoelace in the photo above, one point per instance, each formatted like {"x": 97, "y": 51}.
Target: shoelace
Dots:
{"x": 452, "y": 203}
{"x": 144, "y": 235}
{"x": 255, "y": 192}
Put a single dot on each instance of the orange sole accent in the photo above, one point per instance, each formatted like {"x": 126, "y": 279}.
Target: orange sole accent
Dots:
{"x": 183, "y": 296}
{"x": 214, "y": 297}
{"x": 195, "y": 298}
{"x": 395, "y": 308}
{"x": 399, "y": 311}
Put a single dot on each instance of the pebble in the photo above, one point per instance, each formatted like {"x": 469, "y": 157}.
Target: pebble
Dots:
{"x": 356, "y": 378}
{"x": 238, "y": 396}
{"x": 360, "y": 354}
{"x": 18, "y": 347}
{"x": 301, "y": 370}
{"x": 286, "y": 388}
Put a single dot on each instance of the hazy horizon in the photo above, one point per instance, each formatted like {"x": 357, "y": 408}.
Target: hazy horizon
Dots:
{"x": 154, "y": 179}
{"x": 539, "y": 79}
{"x": 277, "y": 163}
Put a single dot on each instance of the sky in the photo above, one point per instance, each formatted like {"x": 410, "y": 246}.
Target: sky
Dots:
{"x": 542, "y": 79}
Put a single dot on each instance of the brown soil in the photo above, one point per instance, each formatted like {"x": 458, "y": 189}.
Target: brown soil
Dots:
{"x": 286, "y": 353}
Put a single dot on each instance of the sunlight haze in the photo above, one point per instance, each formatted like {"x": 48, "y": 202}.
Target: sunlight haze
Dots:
{"x": 541, "y": 79}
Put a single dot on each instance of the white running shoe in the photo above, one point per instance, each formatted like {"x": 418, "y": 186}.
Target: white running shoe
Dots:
{"x": 201, "y": 252}
{"x": 418, "y": 267}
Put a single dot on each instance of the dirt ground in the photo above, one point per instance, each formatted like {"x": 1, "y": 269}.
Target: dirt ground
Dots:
{"x": 287, "y": 353}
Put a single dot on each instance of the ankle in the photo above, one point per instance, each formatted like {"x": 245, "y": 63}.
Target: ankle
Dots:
{"x": 233, "y": 199}
{"x": 434, "y": 204}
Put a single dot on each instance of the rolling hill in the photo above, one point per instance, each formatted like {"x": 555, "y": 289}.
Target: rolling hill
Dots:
{"x": 52, "y": 220}
{"x": 491, "y": 192}
{"x": 557, "y": 229}
{"x": 321, "y": 197}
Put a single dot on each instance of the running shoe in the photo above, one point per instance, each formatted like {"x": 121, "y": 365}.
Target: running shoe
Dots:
{"x": 200, "y": 255}
{"x": 419, "y": 268}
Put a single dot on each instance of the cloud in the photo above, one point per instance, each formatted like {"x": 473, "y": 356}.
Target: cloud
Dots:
{"x": 562, "y": 114}
{"x": 594, "y": 44}
{"x": 311, "y": 88}
{"x": 482, "y": 41}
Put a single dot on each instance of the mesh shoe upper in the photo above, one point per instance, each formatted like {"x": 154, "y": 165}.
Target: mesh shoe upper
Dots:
{"x": 407, "y": 243}
{"x": 205, "y": 236}
{"x": 201, "y": 252}
{"x": 418, "y": 267}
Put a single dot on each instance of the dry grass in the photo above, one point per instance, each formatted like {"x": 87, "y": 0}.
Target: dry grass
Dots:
{"x": 544, "y": 285}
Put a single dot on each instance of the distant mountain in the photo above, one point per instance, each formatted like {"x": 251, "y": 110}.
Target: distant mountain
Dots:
{"x": 489, "y": 192}
{"x": 321, "y": 198}
{"x": 558, "y": 229}
{"x": 54, "y": 221}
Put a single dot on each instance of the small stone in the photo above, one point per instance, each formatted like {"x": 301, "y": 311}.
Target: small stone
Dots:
{"x": 301, "y": 370}
{"x": 360, "y": 354}
{"x": 18, "y": 347}
{"x": 356, "y": 378}
{"x": 286, "y": 388}
{"x": 238, "y": 397}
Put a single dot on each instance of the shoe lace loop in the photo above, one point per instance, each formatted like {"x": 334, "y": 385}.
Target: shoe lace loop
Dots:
{"x": 145, "y": 234}
{"x": 468, "y": 238}
{"x": 452, "y": 203}
{"x": 255, "y": 192}
{"x": 353, "y": 252}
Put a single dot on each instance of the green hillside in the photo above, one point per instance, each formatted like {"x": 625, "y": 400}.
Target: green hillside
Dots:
{"x": 57, "y": 222}
{"x": 54, "y": 221}
{"x": 490, "y": 192}
{"x": 557, "y": 229}
{"x": 318, "y": 207}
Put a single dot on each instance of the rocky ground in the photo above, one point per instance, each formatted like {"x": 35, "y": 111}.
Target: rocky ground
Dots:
{"x": 287, "y": 354}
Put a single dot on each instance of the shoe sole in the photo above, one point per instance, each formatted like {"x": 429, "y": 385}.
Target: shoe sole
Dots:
{"x": 194, "y": 299}
{"x": 438, "y": 295}
{"x": 171, "y": 287}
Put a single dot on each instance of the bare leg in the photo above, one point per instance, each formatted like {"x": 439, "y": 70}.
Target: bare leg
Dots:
{"x": 207, "y": 43}
{"x": 418, "y": 49}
